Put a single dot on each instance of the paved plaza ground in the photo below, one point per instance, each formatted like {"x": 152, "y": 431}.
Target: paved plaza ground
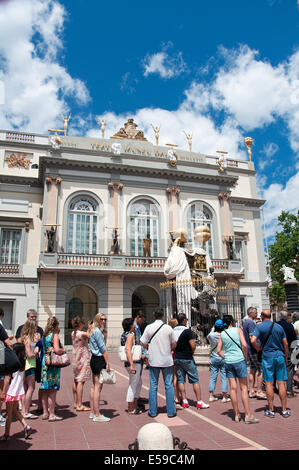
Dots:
{"x": 210, "y": 429}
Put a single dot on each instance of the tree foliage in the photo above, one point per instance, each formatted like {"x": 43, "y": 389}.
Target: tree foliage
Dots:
{"x": 284, "y": 250}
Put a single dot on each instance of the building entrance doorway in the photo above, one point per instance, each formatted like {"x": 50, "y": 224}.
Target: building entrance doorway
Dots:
{"x": 81, "y": 301}
{"x": 147, "y": 299}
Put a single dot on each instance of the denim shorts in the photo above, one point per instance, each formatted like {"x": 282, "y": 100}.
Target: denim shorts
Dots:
{"x": 274, "y": 367}
{"x": 236, "y": 370}
{"x": 30, "y": 372}
{"x": 186, "y": 367}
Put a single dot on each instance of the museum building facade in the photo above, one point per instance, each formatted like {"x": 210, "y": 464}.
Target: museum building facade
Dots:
{"x": 75, "y": 214}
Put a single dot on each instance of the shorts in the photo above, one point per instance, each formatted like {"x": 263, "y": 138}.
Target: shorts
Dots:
{"x": 236, "y": 370}
{"x": 254, "y": 363}
{"x": 97, "y": 363}
{"x": 274, "y": 367}
{"x": 186, "y": 367}
{"x": 30, "y": 372}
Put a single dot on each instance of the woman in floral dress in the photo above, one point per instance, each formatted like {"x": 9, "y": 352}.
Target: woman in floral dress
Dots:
{"x": 50, "y": 376}
{"x": 81, "y": 362}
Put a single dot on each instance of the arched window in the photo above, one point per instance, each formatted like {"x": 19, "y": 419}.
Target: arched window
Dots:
{"x": 82, "y": 232}
{"x": 144, "y": 223}
{"x": 199, "y": 214}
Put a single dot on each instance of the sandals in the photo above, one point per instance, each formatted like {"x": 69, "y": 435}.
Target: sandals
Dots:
{"x": 138, "y": 411}
{"x": 30, "y": 416}
{"x": 5, "y": 437}
{"x": 27, "y": 431}
{"x": 261, "y": 396}
{"x": 55, "y": 418}
{"x": 84, "y": 408}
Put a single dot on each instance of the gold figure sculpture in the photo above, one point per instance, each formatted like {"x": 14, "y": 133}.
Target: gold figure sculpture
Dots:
{"x": 248, "y": 142}
{"x": 156, "y": 131}
{"x": 189, "y": 139}
{"x": 221, "y": 160}
{"x": 102, "y": 123}
{"x": 66, "y": 122}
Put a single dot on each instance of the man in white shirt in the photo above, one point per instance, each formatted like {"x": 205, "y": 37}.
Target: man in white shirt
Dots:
{"x": 160, "y": 340}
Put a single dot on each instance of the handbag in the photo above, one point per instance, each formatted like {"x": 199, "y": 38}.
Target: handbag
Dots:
{"x": 55, "y": 360}
{"x": 136, "y": 352}
{"x": 107, "y": 377}
{"x": 9, "y": 362}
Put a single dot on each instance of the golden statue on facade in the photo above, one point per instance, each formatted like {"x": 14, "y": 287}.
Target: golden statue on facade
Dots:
{"x": 156, "y": 131}
{"x": 189, "y": 139}
{"x": 66, "y": 122}
{"x": 248, "y": 142}
{"x": 102, "y": 123}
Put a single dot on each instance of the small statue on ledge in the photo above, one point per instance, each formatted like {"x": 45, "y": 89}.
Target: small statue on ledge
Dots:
{"x": 230, "y": 248}
{"x": 115, "y": 244}
{"x": 147, "y": 243}
{"x": 51, "y": 239}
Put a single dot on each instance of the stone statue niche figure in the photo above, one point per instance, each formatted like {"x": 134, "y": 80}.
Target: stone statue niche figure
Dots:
{"x": 115, "y": 244}
{"x": 289, "y": 273}
{"x": 51, "y": 239}
{"x": 230, "y": 248}
{"x": 147, "y": 243}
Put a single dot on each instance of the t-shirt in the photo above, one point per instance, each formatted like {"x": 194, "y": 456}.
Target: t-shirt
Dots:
{"x": 289, "y": 331}
{"x": 233, "y": 351}
{"x": 38, "y": 330}
{"x": 248, "y": 327}
{"x": 183, "y": 349}
{"x": 160, "y": 346}
{"x": 213, "y": 339}
{"x": 274, "y": 346}
{"x": 3, "y": 334}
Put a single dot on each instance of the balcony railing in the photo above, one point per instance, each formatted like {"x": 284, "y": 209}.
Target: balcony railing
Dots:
{"x": 9, "y": 268}
{"x": 124, "y": 263}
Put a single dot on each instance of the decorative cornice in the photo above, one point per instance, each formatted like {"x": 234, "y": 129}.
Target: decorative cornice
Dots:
{"x": 248, "y": 201}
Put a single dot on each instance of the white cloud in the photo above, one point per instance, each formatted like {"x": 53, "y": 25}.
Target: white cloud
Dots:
{"x": 36, "y": 85}
{"x": 165, "y": 65}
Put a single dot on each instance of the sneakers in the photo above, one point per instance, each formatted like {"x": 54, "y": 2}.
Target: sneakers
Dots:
{"x": 251, "y": 420}
{"x": 91, "y": 415}
{"x": 101, "y": 418}
{"x": 185, "y": 404}
{"x": 269, "y": 414}
{"x": 286, "y": 413}
{"x": 225, "y": 400}
{"x": 213, "y": 398}
{"x": 2, "y": 420}
{"x": 202, "y": 405}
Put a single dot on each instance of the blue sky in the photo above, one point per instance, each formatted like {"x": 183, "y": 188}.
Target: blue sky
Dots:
{"x": 223, "y": 70}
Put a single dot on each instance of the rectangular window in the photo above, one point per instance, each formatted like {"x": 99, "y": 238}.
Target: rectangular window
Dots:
{"x": 10, "y": 246}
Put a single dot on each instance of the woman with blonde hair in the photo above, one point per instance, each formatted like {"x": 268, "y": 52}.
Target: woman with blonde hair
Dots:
{"x": 29, "y": 339}
{"x": 81, "y": 359}
{"x": 99, "y": 360}
{"x": 50, "y": 376}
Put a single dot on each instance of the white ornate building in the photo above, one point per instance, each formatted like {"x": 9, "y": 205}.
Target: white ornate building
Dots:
{"x": 85, "y": 188}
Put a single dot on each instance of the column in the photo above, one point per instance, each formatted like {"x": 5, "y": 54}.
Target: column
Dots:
{"x": 115, "y": 190}
{"x": 173, "y": 194}
{"x": 47, "y": 299}
{"x": 115, "y": 310}
{"x": 225, "y": 214}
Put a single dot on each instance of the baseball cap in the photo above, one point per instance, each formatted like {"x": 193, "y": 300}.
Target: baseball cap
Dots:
{"x": 219, "y": 324}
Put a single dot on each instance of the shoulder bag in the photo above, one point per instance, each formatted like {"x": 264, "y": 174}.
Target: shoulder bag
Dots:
{"x": 136, "y": 352}
{"x": 259, "y": 353}
{"x": 55, "y": 360}
{"x": 9, "y": 361}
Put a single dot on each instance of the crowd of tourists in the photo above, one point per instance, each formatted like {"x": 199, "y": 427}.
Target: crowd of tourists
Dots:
{"x": 255, "y": 357}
